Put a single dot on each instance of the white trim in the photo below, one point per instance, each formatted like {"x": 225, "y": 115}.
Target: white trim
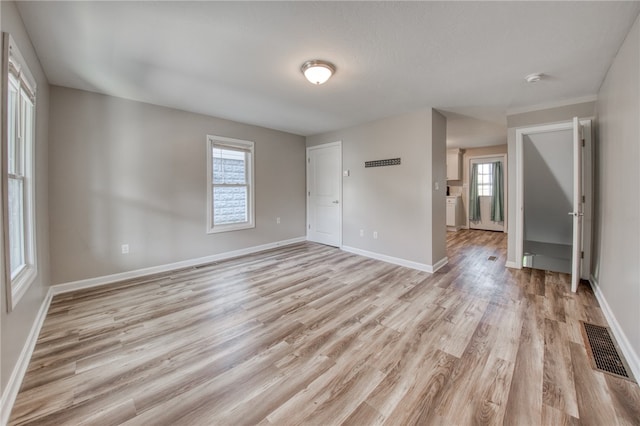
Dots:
{"x": 340, "y": 200}
{"x": 578, "y": 205}
{"x": 244, "y": 146}
{"x": 20, "y": 79}
{"x": 587, "y": 189}
{"x": 633, "y": 359}
{"x": 17, "y": 60}
{"x": 549, "y": 105}
{"x": 520, "y": 133}
{"x": 17, "y": 375}
{"x": 110, "y": 279}
{"x": 398, "y": 261}
{"x": 439, "y": 264}
{"x": 512, "y": 265}
{"x": 505, "y": 183}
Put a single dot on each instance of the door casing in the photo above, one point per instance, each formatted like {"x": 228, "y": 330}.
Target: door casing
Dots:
{"x": 505, "y": 171}
{"x": 587, "y": 188}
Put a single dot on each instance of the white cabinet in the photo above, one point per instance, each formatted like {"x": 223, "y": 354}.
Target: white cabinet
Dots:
{"x": 454, "y": 212}
{"x": 454, "y": 164}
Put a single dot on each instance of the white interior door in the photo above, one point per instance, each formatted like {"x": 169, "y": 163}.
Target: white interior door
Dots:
{"x": 577, "y": 213}
{"x": 324, "y": 194}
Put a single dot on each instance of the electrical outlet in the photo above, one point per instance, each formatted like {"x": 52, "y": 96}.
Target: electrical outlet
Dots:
{"x": 362, "y": 232}
{"x": 125, "y": 248}
{"x": 278, "y": 220}
{"x": 375, "y": 235}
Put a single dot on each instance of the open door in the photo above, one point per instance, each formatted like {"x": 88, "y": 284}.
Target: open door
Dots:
{"x": 553, "y": 178}
{"x": 577, "y": 213}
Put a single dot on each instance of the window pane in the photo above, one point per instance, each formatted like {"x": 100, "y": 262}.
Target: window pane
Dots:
{"x": 12, "y": 114}
{"x": 485, "y": 177}
{"x": 230, "y": 205}
{"x": 27, "y": 131}
{"x": 16, "y": 225}
{"x": 229, "y": 166}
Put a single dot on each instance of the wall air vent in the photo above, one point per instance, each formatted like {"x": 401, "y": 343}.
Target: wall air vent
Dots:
{"x": 381, "y": 163}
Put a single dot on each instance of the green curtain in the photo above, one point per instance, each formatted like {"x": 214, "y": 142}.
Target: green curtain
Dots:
{"x": 497, "y": 207}
{"x": 474, "y": 200}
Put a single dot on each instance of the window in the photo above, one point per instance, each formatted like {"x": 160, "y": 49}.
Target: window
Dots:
{"x": 485, "y": 179}
{"x": 18, "y": 173}
{"x": 230, "y": 184}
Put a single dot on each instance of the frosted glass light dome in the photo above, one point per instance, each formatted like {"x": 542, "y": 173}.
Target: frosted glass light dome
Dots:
{"x": 317, "y": 72}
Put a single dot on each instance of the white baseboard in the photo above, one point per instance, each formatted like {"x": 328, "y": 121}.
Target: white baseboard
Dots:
{"x": 17, "y": 375}
{"x": 633, "y": 360}
{"x": 510, "y": 264}
{"x": 439, "y": 264}
{"x": 396, "y": 260}
{"x": 110, "y": 279}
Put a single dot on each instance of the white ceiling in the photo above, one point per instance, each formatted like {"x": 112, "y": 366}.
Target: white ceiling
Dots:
{"x": 241, "y": 60}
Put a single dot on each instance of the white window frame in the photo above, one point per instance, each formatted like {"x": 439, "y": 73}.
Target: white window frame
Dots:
{"x": 485, "y": 183}
{"x": 234, "y": 144}
{"x": 16, "y": 73}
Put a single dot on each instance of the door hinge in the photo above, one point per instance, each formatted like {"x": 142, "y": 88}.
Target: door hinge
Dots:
{"x": 309, "y": 194}
{"x": 583, "y": 199}
{"x": 309, "y": 226}
{"x": 581, "y": 255}
{"x": 309, "y": 160}
{"x": 583, "y": 143}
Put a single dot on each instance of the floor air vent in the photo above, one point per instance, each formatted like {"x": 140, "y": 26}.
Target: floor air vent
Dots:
{"x": 603, "y": 351}
{"x": 492, "y": 258}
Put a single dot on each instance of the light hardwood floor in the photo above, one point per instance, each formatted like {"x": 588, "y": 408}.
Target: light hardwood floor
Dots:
{"x": 308, "y": 334}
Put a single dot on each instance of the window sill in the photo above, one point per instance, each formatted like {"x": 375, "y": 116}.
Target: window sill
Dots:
{"x": 227, "y": 228}
{"x": 21, "y": 284}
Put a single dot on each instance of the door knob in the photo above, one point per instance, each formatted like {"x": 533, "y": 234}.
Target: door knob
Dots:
{"x": 335, "y": 202}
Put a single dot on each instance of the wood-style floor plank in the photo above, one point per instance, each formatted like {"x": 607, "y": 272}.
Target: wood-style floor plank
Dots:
{"x": 309, "y": 334}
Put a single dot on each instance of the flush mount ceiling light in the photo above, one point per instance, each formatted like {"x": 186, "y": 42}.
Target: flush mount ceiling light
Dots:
{"x": 317, "y": 71}
{"x": 534, "y": 78}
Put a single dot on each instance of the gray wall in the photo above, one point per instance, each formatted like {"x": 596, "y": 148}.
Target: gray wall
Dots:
{"x": 617, "y": 224}
{"x": 396, "y": 201}
{"x": 17, "y": 324}
{"x": 548, "y": 187}
{"x": 438, "y": 197}
{"x": 534, "y": 118}
{"x": 129, "y": 172}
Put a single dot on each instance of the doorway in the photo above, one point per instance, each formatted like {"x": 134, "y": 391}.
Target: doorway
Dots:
{"x": 487, "y": 192}
{"x": 553, "y": 203}
{"x": 324, "y": 194}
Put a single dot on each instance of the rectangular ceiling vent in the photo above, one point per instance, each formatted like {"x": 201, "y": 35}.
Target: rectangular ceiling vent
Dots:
{"x": 603, "y": 351}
